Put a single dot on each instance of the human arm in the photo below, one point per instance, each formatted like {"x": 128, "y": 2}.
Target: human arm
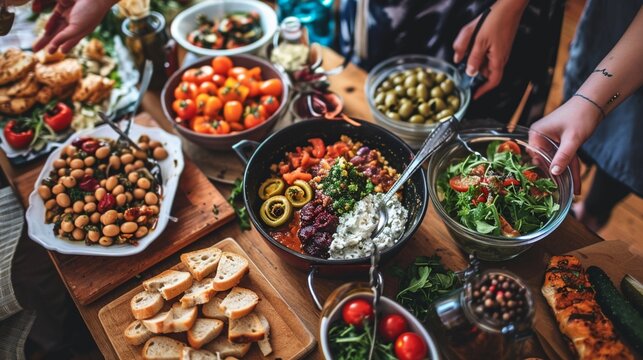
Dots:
{"x": 493, "y": 43}
{"x": 616, "y": 77}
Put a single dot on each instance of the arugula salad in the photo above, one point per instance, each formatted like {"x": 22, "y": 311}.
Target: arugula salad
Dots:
{"x": 502, "y": 194}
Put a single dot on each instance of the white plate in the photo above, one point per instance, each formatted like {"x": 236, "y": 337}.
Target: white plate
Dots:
{"x": 186, "y": 21}
{"x": 171, "y": 169}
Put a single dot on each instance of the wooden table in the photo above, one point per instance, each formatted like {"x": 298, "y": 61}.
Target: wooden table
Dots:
{"x": 290, "y": 282}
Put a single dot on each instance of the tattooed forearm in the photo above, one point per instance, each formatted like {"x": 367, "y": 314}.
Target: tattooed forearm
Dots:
{"x": 604, "y": 72}
{"x": 613, "y": 98}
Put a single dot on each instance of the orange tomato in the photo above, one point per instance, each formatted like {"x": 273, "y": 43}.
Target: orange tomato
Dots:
{"x": 185, "y": 109}
{"x": 272, "y": 87}
{"x": 212, "y": 106}
{"x": 202, "y": 124}
{"x": 185, "y": 90}
{"x": 253, "y": 89}
{"x": 236, "y": 126}
{"x": 270, "y": 103}
{"x": 232, "y": 111}
{"x": 244, "y": 79}
{"x": 204, "y": 74}
{"x": 254, "y": 116}
{"x": 236, "y": 71}
{"x": 200, "y": 102}
{"x": 221, "y": 127}
{"x": 218, "y": 80}
{"x": 255, "y": 73}
{"x": 221, "y": 65}
{"x": 208, "y": 87}
{"x": 189, "y": 75}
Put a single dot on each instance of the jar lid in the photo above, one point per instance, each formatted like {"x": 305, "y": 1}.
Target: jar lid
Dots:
{"x": 291, "y": 28}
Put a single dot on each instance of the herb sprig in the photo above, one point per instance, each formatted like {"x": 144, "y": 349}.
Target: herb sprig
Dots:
{"x": 348, "y": 343}
{"x": 235, "y": 199}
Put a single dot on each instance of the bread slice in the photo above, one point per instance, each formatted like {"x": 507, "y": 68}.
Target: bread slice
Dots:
{"x": 246, "y": 329}
{"x": 199, "y": 293}
{"x": 183, "y": 318}
{"x": 213, "y": 310}
{"x": 224, "y": 347}
{"x": 191, "y": 354}
{"x": 203, "y": 331}
{"x": 230, "y": 358}
{"x": 201, "y": 263}
{"x": 146, "y": 304}
{"x": 264, "y": 345}
{"x": 239, "y": 302}
{"x": 136, "y": 333}
{"x": 162, "y": 348}
{"x": 159, "y": 324}
{"x": 232, "y": 268}
{"x": 170, "y": 283}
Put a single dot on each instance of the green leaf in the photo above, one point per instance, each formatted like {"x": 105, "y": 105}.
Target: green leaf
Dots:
{"x": 483, "y": 227}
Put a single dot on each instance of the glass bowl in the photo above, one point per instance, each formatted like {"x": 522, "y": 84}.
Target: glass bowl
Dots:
{"x": 412, "y": 134}
{"x": 541, "y": 150}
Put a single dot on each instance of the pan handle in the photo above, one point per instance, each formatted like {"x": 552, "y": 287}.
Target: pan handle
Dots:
{"x": 244, "y": 147}
{"x": 311, "y": 287}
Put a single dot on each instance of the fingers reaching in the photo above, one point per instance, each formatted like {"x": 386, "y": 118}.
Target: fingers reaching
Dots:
{"x": 565, "y": 154}
{"x": 476, "y": 58}
{"x": 493, "y": 73}
{"x": 461, "y": 42}
{"x": 63, "y": 38}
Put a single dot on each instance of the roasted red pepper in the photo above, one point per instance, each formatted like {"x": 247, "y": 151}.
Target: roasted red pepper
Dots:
{"x": 89, "y": 183}
{"x": 59, "y": 118}
{"x": 106, "y": 203}
{"x": 90, "y": 146}
{"x": 18, "y": 136}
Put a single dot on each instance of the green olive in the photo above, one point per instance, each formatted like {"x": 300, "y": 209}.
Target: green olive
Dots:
{"x": 416, "y": 119}
{"x": 400, "y": 90}
{"x": 422, "y": 92}
{"x": 444, "y": 114}
{"x": 436, "y": 92}
{"x": 276, "y": 211}
{"x": 386, "y": 85}
{"x": 390, "y": 100}
{"x": 440, "y": 77}
{"x": 430, "y": 120}
{"x": 410, "y": 81}
{"x": 421, "y": 77}
{"x": 381, "y": 108}
{"x": 411, "y": 92}
{"x": 424, "y": 109}
{"x": 436, "y": 105}
{"x": 406, "y": 109}
{"x": 270, "y": 188}
{"x": 406, "y": 73}
{"x": 393, "y": 115}
{"x": 447, "y": 86}
{"x": 379, "y": 98}
{"x": 454, "y": 101}
{"x": 398, "y": 79}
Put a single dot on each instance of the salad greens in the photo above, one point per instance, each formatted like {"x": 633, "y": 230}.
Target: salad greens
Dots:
{"x": 235, "y": 198}
{"x": 499, "y": 195}
{"x": 348, "y": 343}
{"x": 423, "y": 282}
{"x": 346, "y": 186}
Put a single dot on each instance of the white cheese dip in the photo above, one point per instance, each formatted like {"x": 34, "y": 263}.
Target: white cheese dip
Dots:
{"x": 353, "y": 236}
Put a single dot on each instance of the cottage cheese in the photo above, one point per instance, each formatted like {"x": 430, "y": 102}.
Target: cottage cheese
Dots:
{"x": 353, "y": 236}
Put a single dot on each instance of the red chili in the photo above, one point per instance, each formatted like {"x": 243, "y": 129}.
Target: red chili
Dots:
{"x": 510, "y": 181}
{"x": 59, "y": 118}
{"x": 88, "y": 183}
{"x": 18, "y": 136}
{"x": 106, "y": 203}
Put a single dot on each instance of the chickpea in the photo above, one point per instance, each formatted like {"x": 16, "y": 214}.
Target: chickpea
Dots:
{"x": 159, "y": 153}
{"x": 144, "y": 183}
{"x": 121, "y": 199}
{"x": 59, "y": 163}
{"x": 118, "y": 190}
{"x": 111, "y": 230}
{"x": 49, "y": 204}
{"x": 138, "y": 164}
{"x": 68, "y": 160}
{"x": 68, "y": 210}
{"x": 68, "y": 181}
{"x": 55, "y": 219}
{"x": 44, "y": 191}
{"x": 154, "y": 144}
{"x": 140, "y": 154}
{"x": 77, "y": 174}
{"x": 93, "y": 235}
{"x": 127, "y": 158}
{"x": 70, "y": 150}
{"x": 81, "y": 221}
{"x": 155, "y": 209}
{"x": 100, "y": 193}
{"x": 78, "y": 207}
{"x": 90, "y": 207}
{"x": 89, "y": 171}
{"x": 144, "y": 139}
{"x": 140, "y": 232}
{"x": 111, "y": 183}
{"x": 102, "y": 167}
{"x": 129, "y": 227}
{"x": 143, "y": 146}
{"x": 102, "y": 182}
{"x": 67, "y": 226}
{"x": 109, "y": 217}
{"x": 90, "y": 198}
{"x": 95, "y": 218}
{"x": 129, "y": 168}
{"x": 114, "y": 162}
{"x": 139, "y": 194}
{"x": 151, "y": 198}
{"x": 133, "y": 177}
{"x": 106, "y": 241}
{"x": 62, "y": 171}
{"x": 128, "y": 197}
{"x": 48, "y": 216}
{"x": 78, "y": 234}
{"x": 58, "y": 188}
{"x": 102, "y": 152}
{"x": 120, "y": 216}
{"x": 76, "y": 164}
{"x": 63, "y": 200}
{"x": 89, "y": 161}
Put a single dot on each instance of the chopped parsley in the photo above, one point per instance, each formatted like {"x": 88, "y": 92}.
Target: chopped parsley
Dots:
{"x": 346, "y": 186}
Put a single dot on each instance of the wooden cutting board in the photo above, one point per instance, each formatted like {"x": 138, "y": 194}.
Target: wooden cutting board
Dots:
{"x": 289, "y": 338}
{"x": 89, "y": 277}
{"x": 614, "y": 257}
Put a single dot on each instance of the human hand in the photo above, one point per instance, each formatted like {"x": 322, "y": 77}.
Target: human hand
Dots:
{"x": 71, "y": 21}
{"x": 493, "y": 43}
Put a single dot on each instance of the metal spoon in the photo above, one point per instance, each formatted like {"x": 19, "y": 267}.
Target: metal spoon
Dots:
{"x": 377, "y": 287}
{"x": 148, "y": 70}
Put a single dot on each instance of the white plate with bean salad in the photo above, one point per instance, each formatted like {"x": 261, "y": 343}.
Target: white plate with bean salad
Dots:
{"x": 95, "y": 197}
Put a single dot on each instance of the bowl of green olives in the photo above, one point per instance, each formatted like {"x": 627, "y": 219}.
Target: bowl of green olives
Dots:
{"x": 411, "y": 94}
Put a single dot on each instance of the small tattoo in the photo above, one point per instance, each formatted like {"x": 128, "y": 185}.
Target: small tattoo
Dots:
{"x": 613, "y": 98}
{"x": 604, "y": 72}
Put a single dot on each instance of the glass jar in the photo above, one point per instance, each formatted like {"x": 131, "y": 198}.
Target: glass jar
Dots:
{"x": 467, "y": 332}
{"x": 316, "y": 15}
{"x": 146, "y": 39}
{"x": 291, "y": 49}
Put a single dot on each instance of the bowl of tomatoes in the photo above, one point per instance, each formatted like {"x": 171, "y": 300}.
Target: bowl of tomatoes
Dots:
{"x": 347, "y": 327}
{"x": 219, "y": 101}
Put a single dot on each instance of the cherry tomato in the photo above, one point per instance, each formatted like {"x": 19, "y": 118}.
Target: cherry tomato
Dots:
{"x": 462, "y": 184}
{"x": 204, "y": 74}
{"x": 270, "y": 103}
{"x": 236, "y": 127}
{"x": 236, "y": 71}
{"x": 252, "y": 119}
{"x": 200, "y": 102}
{"x": 530, "y": 175}
{"x": 254, "y": 89}
{"x": 186, "y": 109}
{"x": 221, "y": 127}
{"x": 510, "y": 182}
{"x": 59, "y": 118}
{"x": 221, "y": 65}
{"x": 355, "y": 311}
{"x": 218, "y": 80}
{"x": 208, "y": 87}
{"x": 410, "y": 346}
{"x": 245, "y": 79}
{"x": 189, "y": 75}
{"x": 272, "y": 87}
{"x": 185, "y": 90}
{"x": 392, "y": 326}
{"x": 203, "y": 125}
{"x": 212, "y": 106}
{"x": 510, "y": 146}
{"x": 232, "y": 111}
{"x": 254, "y": 73}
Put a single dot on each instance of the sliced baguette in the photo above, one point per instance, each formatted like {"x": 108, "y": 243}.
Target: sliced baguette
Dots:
{"x": 264, "y": 345}
{"x": 136, "y": 333}
{"x": 231, "y": 269}
{"x": 191, "y": 354}
{"x": 199, "y": 293}
{"x": 162, "y": 348}
{"x": 159, "y": 324}
{"x": 213, "y": 310}
{"x": 246, "y": 329}
{"x": 201, "y": 263}
{"x": 239, "y": 302}
{"x": 183, "y": 318}
{"x": 203, "y": 331}
{"x": 225, "y": 348}
{"x": 170, "y": 283}
{"x": 230, "y": 358}
{"x": 146, "y": 304}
